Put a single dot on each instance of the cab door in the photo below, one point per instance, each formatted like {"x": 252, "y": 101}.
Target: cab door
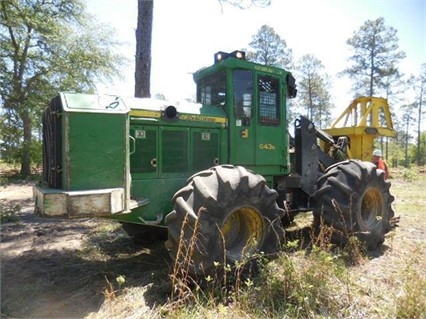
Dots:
{"x": 270, "y": 141}
{"x": 242, "y": 126}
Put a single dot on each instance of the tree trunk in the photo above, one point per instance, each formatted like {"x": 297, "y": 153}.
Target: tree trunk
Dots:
{"x": 406, "y": 143}
{"x": 26, "y": 146}
{"x": 371, "y": 90}
{"x": 143, "y": 48}
{"x": 419, "y": 126}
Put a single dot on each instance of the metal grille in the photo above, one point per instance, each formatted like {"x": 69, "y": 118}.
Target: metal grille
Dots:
{"x": 205, "y": 150}
{"x": 269, "y": 111}
{"x": 175, "y": 152}
{"x": 146, "y": 151}
{"x": 52, "y": 144}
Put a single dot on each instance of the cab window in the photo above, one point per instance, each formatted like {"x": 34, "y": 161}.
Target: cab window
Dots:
{"x": 243, "y": 88}
{"x": 269, "y": 102}
{"x": 211, "y": 90}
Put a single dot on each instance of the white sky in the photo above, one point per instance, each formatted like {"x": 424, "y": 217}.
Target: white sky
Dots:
{"x": 186, "y": 34}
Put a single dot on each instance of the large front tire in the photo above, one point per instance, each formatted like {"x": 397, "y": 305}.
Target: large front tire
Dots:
{"x": 354, "y": 198}
{"x": 223, "y": 215}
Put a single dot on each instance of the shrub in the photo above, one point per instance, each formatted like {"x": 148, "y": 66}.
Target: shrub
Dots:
{"x": 8, "y": 212}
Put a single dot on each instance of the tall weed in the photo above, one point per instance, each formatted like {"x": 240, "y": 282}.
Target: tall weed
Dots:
{"x": 302, "y": 286}
{"x": 412, "y": 303}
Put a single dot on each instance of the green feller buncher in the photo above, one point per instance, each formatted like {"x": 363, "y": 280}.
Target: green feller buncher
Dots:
{"x": 223, "y": 177}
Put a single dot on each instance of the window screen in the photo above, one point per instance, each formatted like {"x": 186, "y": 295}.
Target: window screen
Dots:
{"x": 269, "y": 101}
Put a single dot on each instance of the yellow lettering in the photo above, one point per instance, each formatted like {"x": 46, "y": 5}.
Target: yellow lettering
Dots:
{"x": 268, "y": 147}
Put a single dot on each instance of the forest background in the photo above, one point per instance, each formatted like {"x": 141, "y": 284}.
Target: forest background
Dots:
{"x": 89, "y": 47}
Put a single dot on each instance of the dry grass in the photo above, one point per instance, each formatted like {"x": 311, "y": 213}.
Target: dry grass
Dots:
{"x": 301, "y": 283}
{"x": 338, "y": 283}
{"x": 343, "y": 283}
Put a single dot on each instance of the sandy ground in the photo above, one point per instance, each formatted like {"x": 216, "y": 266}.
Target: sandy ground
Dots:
{"x": 45, "y": 271}
{"x": 33, "y": 233}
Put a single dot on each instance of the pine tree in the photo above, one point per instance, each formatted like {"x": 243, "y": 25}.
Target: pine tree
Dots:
{"x": 375, "y": 57}
{"x": 313, "y": 92}
{"x": 269, "y": 48}
{"x": 143, "y": 48}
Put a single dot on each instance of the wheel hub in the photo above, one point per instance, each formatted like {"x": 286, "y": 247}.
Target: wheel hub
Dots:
{"x": 243, "y": 232}
{"x": 371, "y": 207}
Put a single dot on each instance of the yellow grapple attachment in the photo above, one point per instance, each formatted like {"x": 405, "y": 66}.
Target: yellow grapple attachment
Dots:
{"x": 365, "y": 119}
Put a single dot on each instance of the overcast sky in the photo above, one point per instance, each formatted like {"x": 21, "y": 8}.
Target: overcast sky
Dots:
{"x": 186, "y": 34}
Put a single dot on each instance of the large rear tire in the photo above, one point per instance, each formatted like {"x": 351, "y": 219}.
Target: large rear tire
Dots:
{"x": 354, "y": 198}
{"x": 223, "y": 215}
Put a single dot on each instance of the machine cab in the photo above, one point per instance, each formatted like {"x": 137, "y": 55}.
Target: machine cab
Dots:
{"x": 254, "y": 99}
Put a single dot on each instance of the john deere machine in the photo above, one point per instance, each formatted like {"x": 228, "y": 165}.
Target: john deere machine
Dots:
{"x": 223, "y": 176}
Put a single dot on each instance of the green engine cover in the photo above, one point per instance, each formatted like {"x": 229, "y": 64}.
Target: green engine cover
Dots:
{"x": 95, "y": 146}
